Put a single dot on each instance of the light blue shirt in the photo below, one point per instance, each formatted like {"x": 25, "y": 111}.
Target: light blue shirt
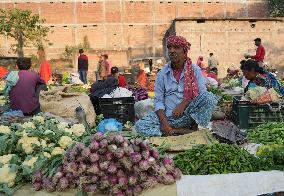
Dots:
{"x": 169, "y": 92}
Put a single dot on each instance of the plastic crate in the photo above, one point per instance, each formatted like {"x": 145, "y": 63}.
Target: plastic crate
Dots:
{"x": 122, "y": 109}
{"x": 247, "y": 115}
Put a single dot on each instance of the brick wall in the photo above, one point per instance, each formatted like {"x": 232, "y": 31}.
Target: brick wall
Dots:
{"x": 135, "y": 27}
{"x": 229, "y": 40}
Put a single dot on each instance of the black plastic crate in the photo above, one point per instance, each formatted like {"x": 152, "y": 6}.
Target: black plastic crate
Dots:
{"x": 122, "y": 109}
{"x": 247, "y": 115}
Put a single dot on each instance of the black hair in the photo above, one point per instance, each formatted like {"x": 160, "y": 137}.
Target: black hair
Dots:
{"x": 81, "y": 51}
{"x": 257, "y": 39}
{"x": 24, "y": 63}
{"x": 214, "y": 69}
{"x": 251, "y": 65}
{"x": 243, "y": 62}
{"x": 211, "y": 54}
{"x": 106, "y": 56}
{"x": 114, "y": 70}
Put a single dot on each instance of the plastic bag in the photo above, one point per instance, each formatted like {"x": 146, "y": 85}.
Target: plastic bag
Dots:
{"x": 109, "y": 125}
{"x": 143, "y": 108}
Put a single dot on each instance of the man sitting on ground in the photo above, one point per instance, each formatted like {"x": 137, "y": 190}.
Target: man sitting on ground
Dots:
{"x": 23, "y": 88}
{"x": 181, "y": 98}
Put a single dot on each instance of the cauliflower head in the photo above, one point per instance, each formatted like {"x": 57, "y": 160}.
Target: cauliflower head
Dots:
{"x": 57, "y": 150}
{"x": 6, "y": 158}
{"x": 8, "y": 175}
{"x": 39, "y": 119}
{"x": 30, "y": 162}
{"x": 65, "y": 141}
{"x": 27, "y": 143}
{"x": 28, "y": 125}
{"x": 5, "y": 129}
{"x": 62, "y": 125}
{"x": 78, "y": 129}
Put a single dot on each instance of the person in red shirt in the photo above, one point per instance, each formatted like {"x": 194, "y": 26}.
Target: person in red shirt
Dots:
{"x": 260, "y": 52}
{"x": 120, "y": 77}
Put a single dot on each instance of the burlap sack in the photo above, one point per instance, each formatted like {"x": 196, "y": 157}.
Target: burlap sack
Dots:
{"x": 62, "y": 103}
{"x": 183, "y": 142}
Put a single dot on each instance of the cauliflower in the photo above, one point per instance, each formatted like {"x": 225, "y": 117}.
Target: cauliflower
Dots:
{"x": 30, "y": 162}
{"x": 28, "y": 125}
{"x": 39, "y": 119}
{"x": 57, "y": 150}
{"x": 78, "y": 129}
{"x": 27, "y": 143}
{"x": 46, "y": 154}
{"x": 62, "y": 125}
{"x": 5, "y": 129}
{"x": 65, "y": 141}
{"x": 6, "y": 158}
{"x": 8, "y": 175}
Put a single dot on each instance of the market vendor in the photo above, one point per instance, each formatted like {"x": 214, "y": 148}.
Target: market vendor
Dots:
{"x": 257, "y": 76}
{"x": 22, "y": 88}
{"x": 121, "y": 78}
{"x": 181, "y": 98}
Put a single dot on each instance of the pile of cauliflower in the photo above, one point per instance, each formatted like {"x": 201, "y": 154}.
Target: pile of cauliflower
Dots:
{"x": 32, "y": 143}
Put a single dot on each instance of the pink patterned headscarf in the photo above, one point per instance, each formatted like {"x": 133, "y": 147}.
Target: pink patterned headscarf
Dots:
{"x": 190, "y": 82}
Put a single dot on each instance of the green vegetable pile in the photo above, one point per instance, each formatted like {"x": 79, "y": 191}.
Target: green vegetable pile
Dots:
{"x": 78, "y": 89}
{"x": 269, "y": 133}
{"x": 216, "y": 159}
{"x": 272, "y": 158}
{"x": 223, "y": 96}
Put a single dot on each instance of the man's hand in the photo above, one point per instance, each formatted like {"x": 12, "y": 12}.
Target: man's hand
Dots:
{"x": 180, "y": 108}
{"x": 178, "y": 111}
{"x": 166, "y": 128}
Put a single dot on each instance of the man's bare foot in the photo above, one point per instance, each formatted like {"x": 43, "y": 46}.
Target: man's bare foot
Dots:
{"x": 194, "y": 126}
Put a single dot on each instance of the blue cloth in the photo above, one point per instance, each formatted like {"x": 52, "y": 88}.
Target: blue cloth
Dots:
{"x": 275, "y": 84}
{"x": 169, "y": 92}
{"x": 110, "y": 124}
{"x": 199, "y": 110}
{"x": 11, "y": 80}
{"x": 83, "y": 76}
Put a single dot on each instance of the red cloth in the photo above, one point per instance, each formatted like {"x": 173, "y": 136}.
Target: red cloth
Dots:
{"x": 177, "y": 74}
{"x": 212, "y": 75}
{"x": 121, "y": 80}
{"x": 201, "y": 65}
{"x": 45, "y": 71}
{"x": 260, "y": 53}
{"x": 142, "y": 79}
{"x": 3, "y": 72}
{"x": 190, "y": 82}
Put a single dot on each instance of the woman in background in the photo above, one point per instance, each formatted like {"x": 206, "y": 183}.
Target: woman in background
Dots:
{"x": 202, "y": 66}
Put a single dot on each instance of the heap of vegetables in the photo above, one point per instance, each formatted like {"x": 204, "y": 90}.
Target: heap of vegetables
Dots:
{"x": 216, "y": 159}
{"x": 110, "y": 164}
{"x": 139, "y": 93}
{"x": 25, "y": 147}
{"x": 269, "y": 133}
{"x": 231, "y": 83}
{"x": 223, "y": 96}
{"x": 271, "y": 156}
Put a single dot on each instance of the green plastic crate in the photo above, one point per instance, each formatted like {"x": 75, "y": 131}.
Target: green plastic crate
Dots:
{"x": 247, "y": 115}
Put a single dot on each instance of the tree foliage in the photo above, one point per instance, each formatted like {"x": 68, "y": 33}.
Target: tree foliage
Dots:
{"x": 71, "y": 51}
{"x": 23, "y": 26}
{"x": 276, "y": 8}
